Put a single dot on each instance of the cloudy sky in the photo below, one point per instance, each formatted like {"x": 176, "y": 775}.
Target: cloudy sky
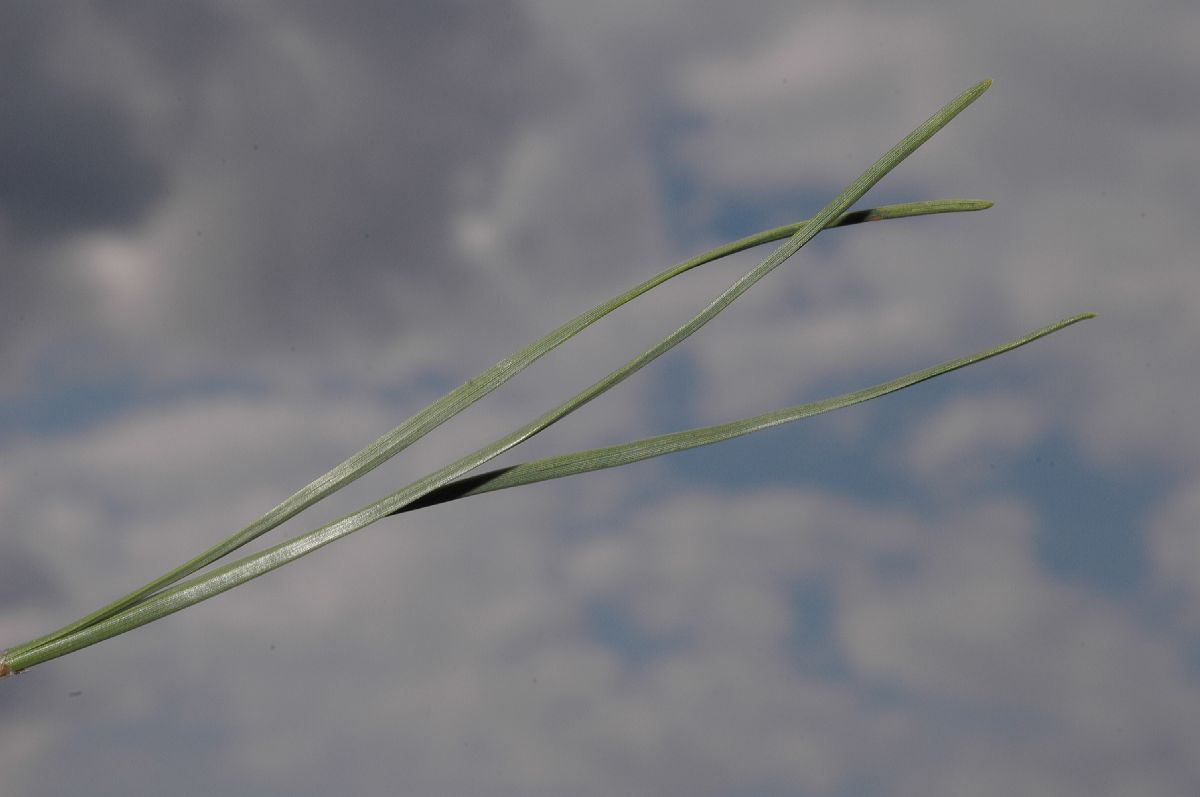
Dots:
{"x": 238, "y": 241}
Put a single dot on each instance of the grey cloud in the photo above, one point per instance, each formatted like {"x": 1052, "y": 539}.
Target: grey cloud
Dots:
{"x": 24, "y": 578}
{"x": 314, "y": 157}
{"x": 68, "y": 161}
{"x": 338, "y": 150}
{"x": 183, "y": 39}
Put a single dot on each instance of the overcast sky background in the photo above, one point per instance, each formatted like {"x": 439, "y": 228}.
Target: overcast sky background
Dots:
{"x": 238, "y": 241}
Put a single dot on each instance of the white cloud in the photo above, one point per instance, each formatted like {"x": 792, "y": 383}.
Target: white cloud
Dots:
{"x": 807, "y": 106}
{"x": 1174, "y": 542}
{"x": 961, "y": 437}
{"x": 462, "y": 628}
{"x": 978, "y": 627}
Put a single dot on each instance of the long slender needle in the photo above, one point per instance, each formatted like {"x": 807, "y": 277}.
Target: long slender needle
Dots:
{"x": 468, "y": 393}
{"x": 190, "y": 592}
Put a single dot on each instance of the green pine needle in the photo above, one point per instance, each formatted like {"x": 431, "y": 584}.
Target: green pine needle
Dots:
{"x": 171, "y": 592}
{"x": 466, "y": 394}
{"x": 647, "y": 448}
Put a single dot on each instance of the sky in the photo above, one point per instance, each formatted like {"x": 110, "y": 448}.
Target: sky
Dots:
{"x": 239, "y": 241}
